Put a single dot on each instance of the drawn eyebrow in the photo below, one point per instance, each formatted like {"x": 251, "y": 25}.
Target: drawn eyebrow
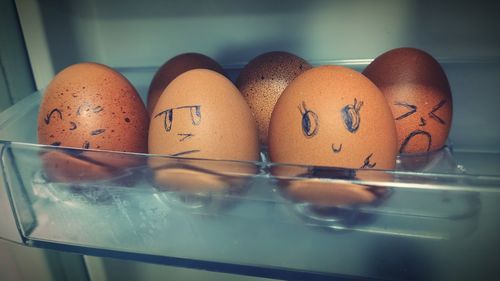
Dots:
{"x": 97, "y": 132}
{"x": 436, "y": 108}
{"x": 49, "y": 116}
{"x": 88, "y": 106}
{"x": 412, "y": 109}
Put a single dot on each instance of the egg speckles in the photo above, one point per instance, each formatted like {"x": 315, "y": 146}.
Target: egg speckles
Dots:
{"x": 418, "y": 92}
{"x": 263, "y": 80}
{"x": 173, "y": 68}
{"x": 91, "y": 106}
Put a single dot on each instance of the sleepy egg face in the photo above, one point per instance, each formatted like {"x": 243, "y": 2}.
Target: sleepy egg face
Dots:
{"x": 181, "y": 122}
{"x": 201, "y": 114}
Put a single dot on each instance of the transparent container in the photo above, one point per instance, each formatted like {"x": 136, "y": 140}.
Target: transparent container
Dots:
{"x": 434, "y": 217}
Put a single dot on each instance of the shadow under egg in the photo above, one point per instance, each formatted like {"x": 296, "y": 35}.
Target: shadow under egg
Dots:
{"x": 195, "y": 184}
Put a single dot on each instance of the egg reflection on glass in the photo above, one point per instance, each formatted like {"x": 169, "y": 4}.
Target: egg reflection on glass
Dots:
{"x": 201, "y": 114}
{"x": 331, "y": 116}
{"x": 418, "y": 92}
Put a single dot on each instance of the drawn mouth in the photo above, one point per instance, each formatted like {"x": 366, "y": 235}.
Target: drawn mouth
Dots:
{"x": 182, "y": 153}
{"x": 367, "y": 163}
{"x": 414, "y": 134}
{"x": 336, "y": 149}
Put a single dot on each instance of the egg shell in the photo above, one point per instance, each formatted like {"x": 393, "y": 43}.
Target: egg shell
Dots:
{"x": 62, "y": 167}
{"x": 173, "y": 68}
{"x": 91, "y": 106}
{"x": 418, "y": 92}
{"x": 316, "y": 187}
{"x": 333, "y": 116}
{"x": 199, "y": 176}
{"x": 201, "y": 114}
{"x": 262, "y": 81}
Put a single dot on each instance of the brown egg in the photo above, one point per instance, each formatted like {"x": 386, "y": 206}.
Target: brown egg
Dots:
{"x": 201, "y": 114}
{"x": 327, "y": 187}
{"x": 333, "y": 116}
{"x": 418, "y": 92}
{"x": 173, "y": 68}
{"x": 91, "y": 106}
{"x": 263, "y": 80}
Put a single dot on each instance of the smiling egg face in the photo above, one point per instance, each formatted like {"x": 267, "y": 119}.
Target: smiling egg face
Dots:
{"x": 333, "y": 116}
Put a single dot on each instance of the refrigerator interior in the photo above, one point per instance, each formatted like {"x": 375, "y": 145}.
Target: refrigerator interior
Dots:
{"x": 436, "y": 219}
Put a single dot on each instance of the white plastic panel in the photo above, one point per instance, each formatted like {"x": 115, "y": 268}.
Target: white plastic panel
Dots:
{"x": 146, "y": 33}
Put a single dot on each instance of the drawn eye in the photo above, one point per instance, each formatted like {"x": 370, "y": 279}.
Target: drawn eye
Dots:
{"x": 195, "y": 114}
{"x": 169, "y": 116}
{"x": 351, "y": 117}
{"x": 433, "y": 115}
{"x": 310, "y": 122}
{"x": 167, "y": 120}
{"x": 411, "y": 109}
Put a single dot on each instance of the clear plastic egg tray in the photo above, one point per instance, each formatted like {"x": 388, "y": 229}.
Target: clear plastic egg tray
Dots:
{"x": 435, "y": 218}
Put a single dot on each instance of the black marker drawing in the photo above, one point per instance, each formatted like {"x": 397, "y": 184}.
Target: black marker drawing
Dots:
{"x": 87, "y": 106}
{"x": 336, "y": 150}
{"x": 412, "y": 135}
{"x": 195, "y": 111}
{"x": 310, "y": 121}
{"x": 185, "y": 152}
{"x": 49, "y": 116}
{"x": 73, "y": 126}
{"x": 412, "y": 109}
{"x": 433, "y": 115}
{"x": 367, "y": 163}
{"x": 86, "y": 145}
{"x": 422, "y": 122}
{"x": 351, "y": 117}
{"x": 185, "y": 136}
{"x": 56, "y": 143}
{"x": 97, "y": 132}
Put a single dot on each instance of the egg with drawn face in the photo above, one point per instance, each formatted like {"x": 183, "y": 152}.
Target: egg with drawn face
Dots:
{"x": 91, "y": 106}
{"x": 333, "y": 116}
{"x": 201, "y": 114}
{"x": 418, "y": 92}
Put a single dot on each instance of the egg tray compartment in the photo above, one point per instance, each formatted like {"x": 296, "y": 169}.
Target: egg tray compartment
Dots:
{"x": 129, "y": 214}
{"x": 430, "y": 198}
{"x": 430, "y": 202}
{"x": 427, "y": 212}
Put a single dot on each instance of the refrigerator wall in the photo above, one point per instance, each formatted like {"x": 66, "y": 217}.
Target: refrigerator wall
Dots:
{"x": 139, "y": 36}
